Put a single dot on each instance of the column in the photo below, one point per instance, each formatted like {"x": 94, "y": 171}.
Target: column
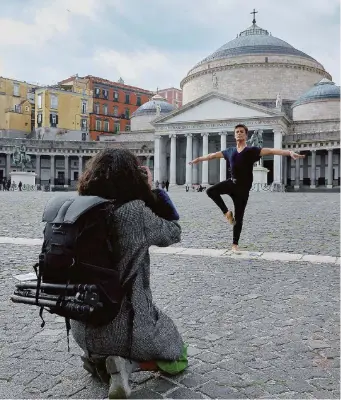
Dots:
{"x": 8, "y": 165}
{"x": 285, "y": 170}
{"x": 323, "y": 165}
{"x": 189, "y": 157}
{"x": 38, "y": 168}
{"x": 157, "y": 156}
{"x": 330, "y": 169}
{"x": 277, "y": 159}
{"x": 172, "y": 177}
{"x": 66, "y": 173}
{"x": 297, "y": 174}
{"x": 313, "y": 170}
{"x": 80, "y": 165}
{"x": 222, "y": 160}
{"x": 52, "y": 170}
{"x": 204, "y": 179}
{"x": 195, "y": 167}
{"x": 305, "y": 168}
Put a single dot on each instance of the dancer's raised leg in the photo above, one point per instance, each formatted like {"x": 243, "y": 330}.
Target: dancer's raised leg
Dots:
{"x": 215, "y": 192}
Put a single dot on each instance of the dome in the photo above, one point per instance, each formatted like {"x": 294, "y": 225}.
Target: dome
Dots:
{"x": 255, "y": 66}
{"x": 323, "y": 90}
{"x": 150, "y": 108}
{"x": 254, "y": 40}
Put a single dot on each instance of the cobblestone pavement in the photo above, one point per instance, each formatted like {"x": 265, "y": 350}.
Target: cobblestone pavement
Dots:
{"x": 305, "y": 223}
{"x": 256, "y": 329}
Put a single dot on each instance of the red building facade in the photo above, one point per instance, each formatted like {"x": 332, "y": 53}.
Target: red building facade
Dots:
{"x": 113, "y": 104}
{"x": 172, "y": 95}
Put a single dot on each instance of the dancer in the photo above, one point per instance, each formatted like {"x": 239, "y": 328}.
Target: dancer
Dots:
{"x": 241, "y": 159}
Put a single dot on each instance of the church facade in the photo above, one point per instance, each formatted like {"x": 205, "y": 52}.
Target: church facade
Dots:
{"x": 268, "y": 85}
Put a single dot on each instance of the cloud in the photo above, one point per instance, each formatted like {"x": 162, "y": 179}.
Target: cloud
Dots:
{"x": 145, "y": 68}
{"x": 151, "y": 43}
{"x": 52, "y": 19}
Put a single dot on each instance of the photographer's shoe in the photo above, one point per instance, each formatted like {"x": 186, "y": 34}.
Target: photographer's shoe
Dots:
{"x": 120, "y": 370}
{"x": 97, "y": 367}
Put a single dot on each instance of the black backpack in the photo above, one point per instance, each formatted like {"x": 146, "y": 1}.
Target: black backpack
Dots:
{"x": 76, "y": 273}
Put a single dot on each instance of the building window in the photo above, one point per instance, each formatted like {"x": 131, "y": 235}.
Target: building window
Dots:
{"x": 127, "y": 128}
{"x": 98, "y": 124}
{"x": 17, "y": 108}
{"x": 266, "y": 59}
{"x": 138, "y": 101}
{"x": 115, "y": 96}
{"x": 126, "y": 113}
{"x": 16, "y": 88}
{"x": 39, "y": 120}
{"x": 53, "y": 120}
{"x": 97, "y": 92}
{"x": 96, "y": 108}
{"x": 40, "y": 101}
{"x": 105, "y": 93}
{"x": 127, "y": 98}
{"x": 84, "y": 106}
{"x": 117, "y": 127}
{"x": 106, "y": 126}
{"x": 115, "y": 111}
{"x": 84, "y": 124}
{"x": 105, "y": 109}
{"x": 53, "y": 101}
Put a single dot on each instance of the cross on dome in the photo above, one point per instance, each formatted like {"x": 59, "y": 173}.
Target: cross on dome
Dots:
{"x": 254, "y": 12}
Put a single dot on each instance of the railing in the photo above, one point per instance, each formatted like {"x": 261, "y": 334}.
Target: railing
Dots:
{"x": 318, "y": 136}
{"x": 264, "y": 187}
{"x": 15, "y": 110}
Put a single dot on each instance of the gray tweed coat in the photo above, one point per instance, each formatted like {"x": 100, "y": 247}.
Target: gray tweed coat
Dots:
{"x": 155, "y": 337}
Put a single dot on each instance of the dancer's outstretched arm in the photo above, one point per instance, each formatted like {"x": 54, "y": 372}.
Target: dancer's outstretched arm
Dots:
{"x": 209, "y": 157}
{"x": 279, "y": 152}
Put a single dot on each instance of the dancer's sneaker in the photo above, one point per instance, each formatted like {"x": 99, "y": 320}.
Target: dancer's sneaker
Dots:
{"x": 229, "y": 216}
{"x": 120, "y": 370}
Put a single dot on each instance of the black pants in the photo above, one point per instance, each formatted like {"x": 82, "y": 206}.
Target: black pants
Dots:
{"x": 239, "y": 196}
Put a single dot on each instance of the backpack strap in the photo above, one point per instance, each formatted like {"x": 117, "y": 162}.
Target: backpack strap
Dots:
{"x": 67, "y": 209}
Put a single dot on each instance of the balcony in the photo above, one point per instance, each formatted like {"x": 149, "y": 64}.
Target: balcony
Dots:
{"x": 17, "y": 110}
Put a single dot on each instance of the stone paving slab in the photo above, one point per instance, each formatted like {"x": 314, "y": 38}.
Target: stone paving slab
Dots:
{"x": 305, "y": 223}
{"x": 281, "y": 256}
{"x": 320, "y": 259}
{"x": 256, "y": 329}
{"x": 182, "y": 251}
{"x": 203, "y": 252}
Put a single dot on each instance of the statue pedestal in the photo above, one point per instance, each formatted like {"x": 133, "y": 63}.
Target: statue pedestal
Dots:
{"x": 260, "y": 175}
{"x": 26, "y": 178}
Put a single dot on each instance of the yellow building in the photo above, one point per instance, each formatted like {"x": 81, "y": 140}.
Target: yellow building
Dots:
{"x": 62, "y": 111}
{"x": 16, "y": 107}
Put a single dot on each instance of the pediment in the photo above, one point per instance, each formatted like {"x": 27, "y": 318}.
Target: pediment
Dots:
{"x": 215, "y": 106}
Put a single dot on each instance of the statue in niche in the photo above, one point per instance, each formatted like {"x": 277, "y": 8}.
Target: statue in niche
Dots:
{"x": 215, "y": 80}
{"x": 158, "y": 110}
{"x": 279, "y": 101}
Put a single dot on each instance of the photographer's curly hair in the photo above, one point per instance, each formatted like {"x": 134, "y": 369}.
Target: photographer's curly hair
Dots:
{"x": 115, "y": 174}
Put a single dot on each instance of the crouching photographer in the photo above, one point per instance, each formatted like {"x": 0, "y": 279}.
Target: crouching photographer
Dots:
{"x": 94, "y": 270}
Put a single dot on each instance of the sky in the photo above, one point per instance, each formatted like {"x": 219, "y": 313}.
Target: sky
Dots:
{"x": 150, "y": 43}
